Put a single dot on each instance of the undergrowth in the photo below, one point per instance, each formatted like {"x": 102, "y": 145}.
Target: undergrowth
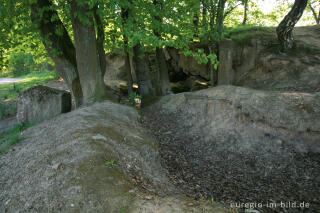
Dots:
{"x": 7, "y": 110}
{"x": 12, "y": 136}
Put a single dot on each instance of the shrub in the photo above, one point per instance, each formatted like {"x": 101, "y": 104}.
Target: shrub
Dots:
{"x": 21, "y": 64}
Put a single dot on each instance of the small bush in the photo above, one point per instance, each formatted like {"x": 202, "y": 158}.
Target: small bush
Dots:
{"x": 21, "y": 64}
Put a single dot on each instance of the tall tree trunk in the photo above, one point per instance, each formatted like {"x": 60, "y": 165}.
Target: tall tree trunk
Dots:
{"x": 245, "y": 16}
{"x": 128, "y": 68}
{"x": 196, "y": 25}
{"x": 87, "y": 52}
{"x": 163, "y": 80}
{"x": 58, "y": 45}
{"x": 100, "y": 40}
{"x": 194, "y": 7}
{"x": 285, "y": 28}
{"x": 319, "y": 16}
{"x": 220, "y": 17}
{"x": 163, "y": 69}
{"x": 211, "y": 68}
{"x": 142, "y": 71}
{"x": 213, "y": 11}
{"x": 315, "y": 15}
{"x": 204, "y": 14}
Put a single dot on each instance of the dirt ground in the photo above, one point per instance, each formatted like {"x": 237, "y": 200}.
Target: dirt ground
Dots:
{"x": 233, "y": 178}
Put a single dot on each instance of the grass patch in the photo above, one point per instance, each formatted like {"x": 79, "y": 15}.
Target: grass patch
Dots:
{"x": 7, "y": 109}
{"x": 12, "y": 136}
{"x": 298, "y": 50}
{"x": 303, "y": 49}
{"x": 242, "y": 34}
{"x": 10, "y": 92}
{"x": 6, "y": 74}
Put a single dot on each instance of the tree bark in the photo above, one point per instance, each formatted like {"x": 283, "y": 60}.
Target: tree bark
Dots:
{"x": 100, "y": 40}
{"x": 127, "y": 65}
{"x": 245, "y": 16}
{"x": 319, "y": 16}
{"x": 213, "y": 9}
{"x": 211, "y": 69}
{"x": 204, "y": 14}
{"x": 220, "y": 17}
{"x": 227, "y": 12}
{"x": 163, "y": 80}
{"x": 163, "y": 69}
{"x": 128, "y": 68}
{"x": 285, "y": 28}
{"x": 142, "y": 71}
{"x": 88, "y": 62}
{"x": 315, "y": 16}
{"x": 58, "y": 45}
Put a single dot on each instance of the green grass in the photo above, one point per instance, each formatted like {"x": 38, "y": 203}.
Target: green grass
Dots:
{"x": 6, "y": 74}
{"x": 10, "y": 92}
{"x": 7, "y": 109}
{"x": 109, "y": 163}
{"x": 243, "y": 34}
{"x": 12, "y": 136}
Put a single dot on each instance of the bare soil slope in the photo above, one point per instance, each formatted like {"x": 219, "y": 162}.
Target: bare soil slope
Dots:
{"x": 60, "y": 166}
{"x": 239, "y": 145}
{"x": 256, "y": 62}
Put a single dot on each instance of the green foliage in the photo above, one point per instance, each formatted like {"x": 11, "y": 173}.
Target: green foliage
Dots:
{"x": 12, "y": 136}
{"x": 19, "y": 36}
{"x": 203, "y": 58}
{"x": 134, "y": 97}
{"x": 109, "y": 163}
{"x": 213, "y": 60}
{"x": 150, "y": 24}
{"x": 21, "y": 64}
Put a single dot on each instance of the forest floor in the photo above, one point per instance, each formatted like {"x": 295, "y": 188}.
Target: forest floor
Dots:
{"x": 95, "y": 159}
{"x": 231, "y": 179}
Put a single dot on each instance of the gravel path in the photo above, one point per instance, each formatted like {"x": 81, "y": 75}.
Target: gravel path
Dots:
{"x": 9, "y": 80}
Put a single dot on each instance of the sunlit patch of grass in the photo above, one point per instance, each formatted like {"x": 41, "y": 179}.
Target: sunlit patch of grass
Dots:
{"x": 243, "y": 34}
{"x": 9, "y": 92}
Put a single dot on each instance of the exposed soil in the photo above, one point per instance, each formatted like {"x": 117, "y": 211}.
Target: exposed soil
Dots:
{"x": 61, "y": 165}
{"x": 233, "y": 178}
{"x": 57, "y": 84}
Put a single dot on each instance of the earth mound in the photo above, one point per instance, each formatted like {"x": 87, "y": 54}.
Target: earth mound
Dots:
{"x": 239, "y": 145}
{"x": 256, "y": 62}
{"x": 94, "y": 159}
